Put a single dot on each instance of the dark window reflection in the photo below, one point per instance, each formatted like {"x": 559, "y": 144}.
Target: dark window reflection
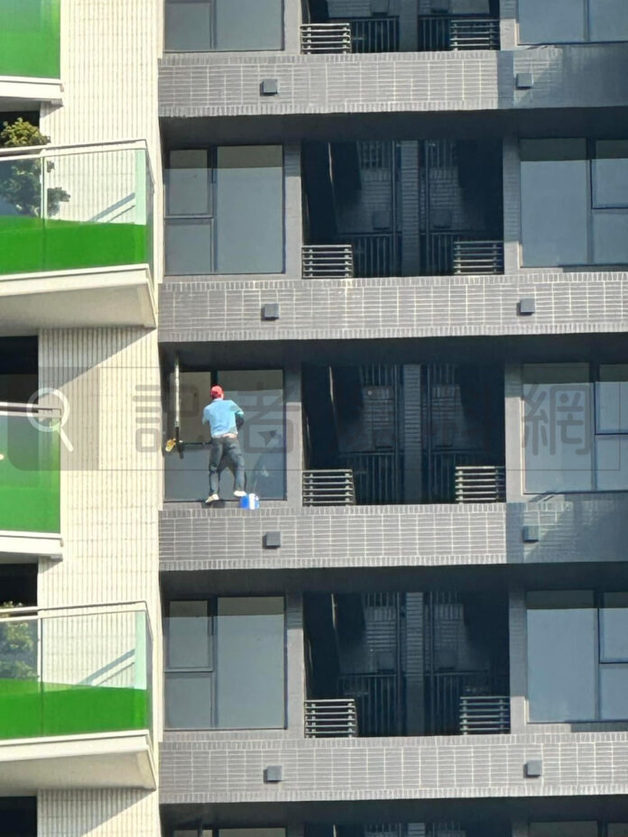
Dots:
{"x": 260, "y": 394}
{"x": 224, "y": 210}
{"x": 577, "y": 656}
{"x": 574, "y": 204}
{"x": 226, "y": 670}
{"x": 572, "y": 21}
{"x": 223, "y": 25}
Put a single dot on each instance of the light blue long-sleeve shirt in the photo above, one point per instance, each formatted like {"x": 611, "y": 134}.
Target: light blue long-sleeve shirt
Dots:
{"x": 221, "y": 416}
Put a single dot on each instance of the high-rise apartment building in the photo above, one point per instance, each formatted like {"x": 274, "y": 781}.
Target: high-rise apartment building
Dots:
{"x": 396, "y": 233}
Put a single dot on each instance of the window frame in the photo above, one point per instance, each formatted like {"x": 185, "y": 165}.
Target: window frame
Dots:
{"x": 212, "y": 11}
{"x": 598, "y": 597}
{"x": 592, "y": 211}
{"x": 593, "y": 381}
{"x": 587, "y": 27}
{"x": 214, "y": 670}
{"x": 174, "y": 431}
{"x": 213, "y": 169}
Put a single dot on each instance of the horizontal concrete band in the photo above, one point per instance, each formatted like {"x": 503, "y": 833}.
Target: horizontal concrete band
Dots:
{"x": 206, "y": 84}
{"x": 218, "y": 310}
{"x": 579, "y": 527}
{"x": 397, "y": 768}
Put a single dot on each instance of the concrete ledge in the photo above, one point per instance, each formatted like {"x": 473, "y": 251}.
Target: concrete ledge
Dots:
{"x": 108, "y": 760}
{"x": 353, "y": 536}
{"x": 22, "y": 547}
{"x": 109, "y": 296}
{"x": 563, "y": 76}
{"x": 394, "y": 768}
{"x": 207, "y": 309}
{"x": 26, "y": 89}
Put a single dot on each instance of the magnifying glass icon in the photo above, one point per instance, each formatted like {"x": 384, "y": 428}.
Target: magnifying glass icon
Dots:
{"x": 42, "y": 420}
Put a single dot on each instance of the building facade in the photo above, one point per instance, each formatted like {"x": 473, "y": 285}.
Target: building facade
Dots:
{"x": 396, "y": 233}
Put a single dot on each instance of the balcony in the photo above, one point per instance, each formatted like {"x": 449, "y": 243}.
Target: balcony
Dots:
{"x": 416, "y": 663}
{"x": 76, "y": 237}
{"x": 29, "y": 51}
{"x": 365, "y": 446}
{"x": 75, "y": 698}
{"x": 330, "y": 30}
{"x": 367, "y": 200}
{"x": 29, "y": 480}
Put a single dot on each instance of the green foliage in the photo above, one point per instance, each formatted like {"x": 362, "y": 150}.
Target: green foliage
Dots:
{"x": 18, "y": 647}
{"x": 20, "y": 182}
{"x": 21, "y": 133}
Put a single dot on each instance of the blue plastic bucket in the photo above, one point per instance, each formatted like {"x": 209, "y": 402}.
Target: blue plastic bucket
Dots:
{"x": 249, "y": 501}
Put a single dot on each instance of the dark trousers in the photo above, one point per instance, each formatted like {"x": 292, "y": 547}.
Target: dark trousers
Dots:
{"x": 229, "y": 449}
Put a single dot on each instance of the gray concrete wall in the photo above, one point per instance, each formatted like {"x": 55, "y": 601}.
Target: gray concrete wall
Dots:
{"x": 195, "y": 768}
{"x": 207, "y": 309}
{"x": 356, "y": 536}
{"x": 583, "y": 528}
{"x": 564, "y": 76}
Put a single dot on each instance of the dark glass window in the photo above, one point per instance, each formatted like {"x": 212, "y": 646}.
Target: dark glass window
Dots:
{"x": 260, "y": 394}
{"x": 575, "y": 427}
{"x": 223, "y": 25}
{"x": 225, "y": 663}
{"x": 572, "y": 21}
{"x": 551, "y": 23}
{"x": 224, "y": 210}
{"x": 574, "y": 209}
{"x": 577, "y": 656}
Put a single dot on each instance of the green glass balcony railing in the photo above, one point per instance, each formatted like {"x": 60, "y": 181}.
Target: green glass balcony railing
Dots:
{"x": 75, "y": 208}
{"x": 74, "y": 671}
{"x": 29, "y": 38}
{"x": 29, "y": 468}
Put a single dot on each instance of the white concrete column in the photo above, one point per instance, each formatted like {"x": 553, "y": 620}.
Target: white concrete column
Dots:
{"x": 514, "y": 441}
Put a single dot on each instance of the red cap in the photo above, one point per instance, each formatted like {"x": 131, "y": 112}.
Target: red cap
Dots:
{"x": 217, "y": 392}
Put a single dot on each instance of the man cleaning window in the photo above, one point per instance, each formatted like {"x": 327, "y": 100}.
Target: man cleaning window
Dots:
{"x": 224, "y": 417}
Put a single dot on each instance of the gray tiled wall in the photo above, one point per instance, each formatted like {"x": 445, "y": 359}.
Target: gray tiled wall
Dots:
{"x": 205, "y": 84}
{"x": 374, "y": 536}
{"x": 580, "y": 527}
{"x": 213, "y": 310}
{"x": 194, "y": 769}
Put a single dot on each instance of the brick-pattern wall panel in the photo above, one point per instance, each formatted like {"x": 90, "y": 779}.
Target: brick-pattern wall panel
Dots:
{"x": 212, "y": 310}
{"x": 195, "y": 539}
{"x": 394, "y": 768}
{"x": 206, "y": 85}
{"x": 582, "y": 75}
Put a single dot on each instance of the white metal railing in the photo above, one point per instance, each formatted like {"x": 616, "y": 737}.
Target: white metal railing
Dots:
{"x": 327, "y": 261}
{"x": 484, "y": 714}
{"x": 474, "y": 33}
{"x": 325, "y": 38}
{"x": 471, "y": 257}
{"x": 336, "y": 718}
{"x": 480, "y": 484}
{"x": 333, "y": 487}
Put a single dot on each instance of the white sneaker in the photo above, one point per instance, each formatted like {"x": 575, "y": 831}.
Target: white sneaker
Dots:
{"x": 211, "y": 499}
{"x": 239, "y": 493}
